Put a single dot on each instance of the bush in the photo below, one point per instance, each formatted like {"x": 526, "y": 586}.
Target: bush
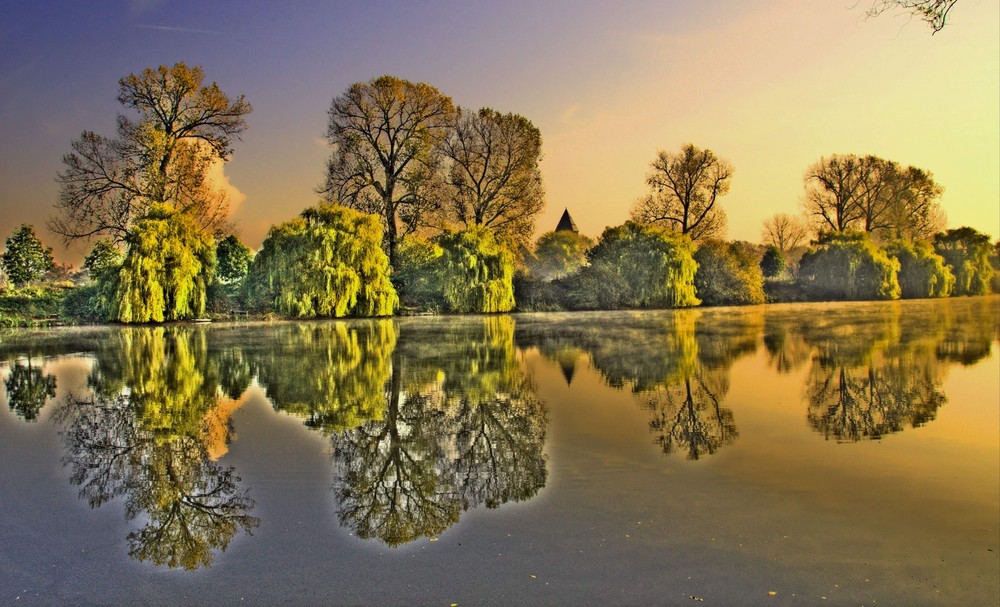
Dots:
{"x": 728, "y": 274}
{"x": 922, "y": 272}
{"x": 967, "y": 253}
{"x": 636, "y": 266}
{"x": 415, "y": 275}
{"x": 847, "y": 265}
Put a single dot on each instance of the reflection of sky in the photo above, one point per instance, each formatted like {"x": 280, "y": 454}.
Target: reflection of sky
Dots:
{"x": 769, "y": 87}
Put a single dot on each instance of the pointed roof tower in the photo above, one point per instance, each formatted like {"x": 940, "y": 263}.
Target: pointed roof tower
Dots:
{"x": 566, "y": 223}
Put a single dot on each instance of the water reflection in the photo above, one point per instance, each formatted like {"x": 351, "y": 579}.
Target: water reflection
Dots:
{"x": 146, "y": 435}
{"x": 28, "y": 389}
{"x": 462, "y": 428}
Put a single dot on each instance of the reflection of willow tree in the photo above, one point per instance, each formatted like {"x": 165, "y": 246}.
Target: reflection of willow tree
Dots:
{"x": 142, "y": 438}
{"x": 332, "y": 374}
{"x": 461, "y": 428}
{"x": 28, "y": 389}
{"x": 970, "y": 331}
{"x": 872, "y": 374}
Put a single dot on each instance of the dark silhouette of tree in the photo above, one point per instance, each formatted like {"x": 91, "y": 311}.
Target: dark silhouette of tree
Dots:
{"x": 28, "y": 389}
{"x": 684, "y": 188}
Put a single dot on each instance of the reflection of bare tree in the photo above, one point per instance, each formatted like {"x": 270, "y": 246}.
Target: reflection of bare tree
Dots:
{"x": 852, "y": 404}
{"x": 28, "y": 389}
{"x": 191, "y": 504}
{"x": 462, "y": 428}
{"x": 689, "y": 415}
{"x": 143, "y": 437}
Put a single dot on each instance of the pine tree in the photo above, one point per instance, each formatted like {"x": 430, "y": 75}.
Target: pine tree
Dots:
{"x": 26, "y": 259}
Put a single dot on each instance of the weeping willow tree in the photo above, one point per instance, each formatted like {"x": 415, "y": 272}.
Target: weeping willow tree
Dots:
{"x": 167, "y": 270}
{"x": 328, "y": 262}
{"x": 476, "y": 271}
{"x": 637, "y": 265}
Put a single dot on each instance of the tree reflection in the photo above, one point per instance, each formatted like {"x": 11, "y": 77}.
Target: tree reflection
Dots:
{"x": 28, "y": 389}
{"x": 461, "y": 429}
{"x": 332, "y": 374}
{"x": 689, "y": 417}
{"x": 143, "y": 438}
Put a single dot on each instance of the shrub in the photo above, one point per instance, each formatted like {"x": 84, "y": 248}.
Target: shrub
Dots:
{"x": 922, "y": 272}
{"x": 773, "y": 263}
{"x": 728, "y": 274}
{"x": 848, "y": 265}
{"x": 636, "y": 266}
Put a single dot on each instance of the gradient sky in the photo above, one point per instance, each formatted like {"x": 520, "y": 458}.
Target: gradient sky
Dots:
{"x": 770, "y": 86}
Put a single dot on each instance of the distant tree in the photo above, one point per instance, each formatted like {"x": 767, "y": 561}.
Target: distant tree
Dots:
{"x": 784, "y": 231}
{"x": 934, "y": 12}
{"x": 25, "y": 258}
{"x": 773, "y": 263}
{"x": 728, "y": 274}
{"x": 966, "y": 251}
{"x": 386, "y": 136}
{"x": 162, "y": 157}
{"x": 873, "y": 195}
{"x": 167, "y": 270}
{"x": 637, "y": 266}
{"x": 493, "y": 175}
{"x": 233, "y": 259}
{"x": 559, "y": 254}
{"x": 848, "y": 266}
{"x": 327, "y": 262}
{"x": 922, "y": 272}
{"x": 684, "y": 188}
{"x": 476, "y": 271}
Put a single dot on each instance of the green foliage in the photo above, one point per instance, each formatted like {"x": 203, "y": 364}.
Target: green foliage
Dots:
{"x": 559, "y": 254}
{"x": 415, "y": 275}
{"x": 96, "y": 301}
{"x": 773, "y": 263}
{"x": 922, "y": 272}
{"x": 476, "y": 271}
{"x": 25, "y": 259}
{"x": 233, "y": 259}
{"x": 32, "y": 305}
{"x": 967, "y": 252}
{"x": 328, "y": 262}
{"x": 728, "y": 274}
{"x": 167, "y": 269}
{"x": 848, "y": 265}
{"x": 636, "y": 266}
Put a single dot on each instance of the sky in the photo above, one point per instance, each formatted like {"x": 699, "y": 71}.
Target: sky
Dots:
{"x": 771, "y": 86}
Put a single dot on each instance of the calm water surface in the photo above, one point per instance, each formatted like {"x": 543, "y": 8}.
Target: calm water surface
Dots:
{"x": 836, "y": 454}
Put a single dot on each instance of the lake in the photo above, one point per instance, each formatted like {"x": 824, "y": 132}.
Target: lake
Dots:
{"x": 805, "y": 454}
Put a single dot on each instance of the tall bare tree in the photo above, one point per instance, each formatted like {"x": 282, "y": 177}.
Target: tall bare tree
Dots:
{"x": 160, "y": 157}
{"x": 934, "y": 12}
{"x": 684, "y": 188}
{"x": 493, "y": 178}
{"x": 386, "y": 136}
{"x": 784, "y": 231}
{"x": 873, "y": 195}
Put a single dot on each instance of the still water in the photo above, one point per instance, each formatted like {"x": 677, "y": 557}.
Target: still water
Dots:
{"x": 836, "y": 454}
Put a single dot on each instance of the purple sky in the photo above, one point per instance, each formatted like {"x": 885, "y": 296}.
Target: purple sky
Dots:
{"x": 770, "y": 86}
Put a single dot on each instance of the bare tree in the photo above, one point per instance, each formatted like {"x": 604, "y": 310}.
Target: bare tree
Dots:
{"x": 934, "y": 12}
{"x": 873, "y": 195}
{"x": 162, "y": 157}
{"x": 784, "y": 231}
{"x": 386, "y": 136}
{"x": 684, "y": 189}
{"x": 494, "y": 179}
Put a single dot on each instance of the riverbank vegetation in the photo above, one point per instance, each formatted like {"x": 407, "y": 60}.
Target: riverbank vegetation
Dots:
{"x": 430, "y": 207}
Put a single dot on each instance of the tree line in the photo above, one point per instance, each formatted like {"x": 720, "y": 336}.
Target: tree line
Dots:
{"x": 426, "y": 205}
